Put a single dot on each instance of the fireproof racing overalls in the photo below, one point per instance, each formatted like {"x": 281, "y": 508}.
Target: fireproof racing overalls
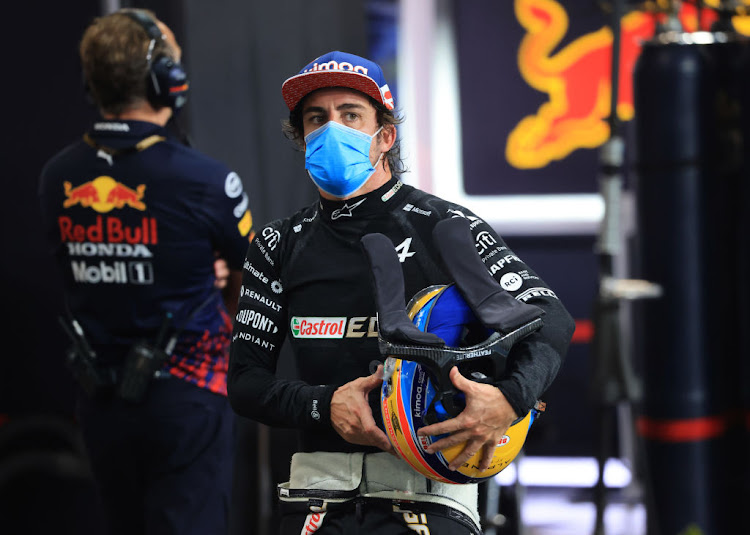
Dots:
{"x": 307, "y": 278}
{"x": 133, "y": 219}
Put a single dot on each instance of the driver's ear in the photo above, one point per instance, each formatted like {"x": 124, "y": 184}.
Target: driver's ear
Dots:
{"x": 388, "y": 134}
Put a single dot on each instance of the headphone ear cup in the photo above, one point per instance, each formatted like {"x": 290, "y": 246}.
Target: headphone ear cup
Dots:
{"x": 167, "y": 83}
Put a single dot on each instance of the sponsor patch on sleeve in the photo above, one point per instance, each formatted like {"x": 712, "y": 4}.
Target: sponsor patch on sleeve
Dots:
{"x": 245, "y": 224}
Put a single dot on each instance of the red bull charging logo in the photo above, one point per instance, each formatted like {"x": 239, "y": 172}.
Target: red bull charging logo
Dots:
{"x": 104, "y": 194}
{"x": 577, "y": 78}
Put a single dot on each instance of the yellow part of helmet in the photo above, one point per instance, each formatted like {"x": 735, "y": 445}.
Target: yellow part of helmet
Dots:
{"x": 507, "y": 450}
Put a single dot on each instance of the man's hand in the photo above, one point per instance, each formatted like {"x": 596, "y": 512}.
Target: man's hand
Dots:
{"x": 351, "y": 415}
{"x": 481, "y": 424}
{"x": 221, "y": 272}
{"x": 229, "y": 281}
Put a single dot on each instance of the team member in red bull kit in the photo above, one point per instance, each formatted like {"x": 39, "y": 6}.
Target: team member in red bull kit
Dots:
{"x": 307, "y": 278}
{"x": 136, "y": 220}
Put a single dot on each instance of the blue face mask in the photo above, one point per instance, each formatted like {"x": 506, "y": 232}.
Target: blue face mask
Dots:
{"x": 337, "y": 158}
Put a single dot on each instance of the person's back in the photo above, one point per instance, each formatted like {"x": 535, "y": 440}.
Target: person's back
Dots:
{"x": 135, "y": 236}
{"x": 136, "y": 221}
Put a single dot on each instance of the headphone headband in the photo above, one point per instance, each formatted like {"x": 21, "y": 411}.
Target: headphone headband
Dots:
{"x": 146, "y": 22}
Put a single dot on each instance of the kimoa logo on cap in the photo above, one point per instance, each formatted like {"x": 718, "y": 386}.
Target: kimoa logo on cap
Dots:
{"x": 336, "y": 66}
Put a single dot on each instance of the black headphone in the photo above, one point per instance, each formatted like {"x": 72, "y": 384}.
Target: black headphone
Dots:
{"x": 167, "y": 83}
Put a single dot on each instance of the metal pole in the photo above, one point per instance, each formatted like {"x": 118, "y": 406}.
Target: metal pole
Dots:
{"x": 606, "y": 311}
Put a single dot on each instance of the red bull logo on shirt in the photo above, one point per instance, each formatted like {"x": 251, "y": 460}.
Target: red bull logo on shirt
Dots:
{"x": 104, "y": 194}
{"x": 96, "y": 248}
{"x": 109, "y": 230}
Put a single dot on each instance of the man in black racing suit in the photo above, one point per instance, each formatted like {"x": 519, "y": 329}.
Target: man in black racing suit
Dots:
{"x": 307, "y": 278}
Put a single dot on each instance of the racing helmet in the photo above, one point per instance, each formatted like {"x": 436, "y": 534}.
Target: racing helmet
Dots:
{"x": 409, "y": 398}
{"x": 472, "y": 323}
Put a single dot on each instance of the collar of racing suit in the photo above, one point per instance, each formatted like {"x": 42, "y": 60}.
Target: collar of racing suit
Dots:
{"x": 362, "y": 205}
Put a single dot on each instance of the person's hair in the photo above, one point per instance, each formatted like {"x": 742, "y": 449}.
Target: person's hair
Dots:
{"x": 293, "y": 129}
{"x": 113, "y": 54}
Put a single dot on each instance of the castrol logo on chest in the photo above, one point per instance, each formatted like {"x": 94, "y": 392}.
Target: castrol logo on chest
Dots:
{"x": 311, "y": 327}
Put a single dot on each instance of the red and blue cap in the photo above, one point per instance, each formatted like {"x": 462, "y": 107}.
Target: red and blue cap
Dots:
{"x": 338, "y": 69}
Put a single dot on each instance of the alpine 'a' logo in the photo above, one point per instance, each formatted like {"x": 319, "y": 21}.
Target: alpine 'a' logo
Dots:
{"x": 403, "y": 250}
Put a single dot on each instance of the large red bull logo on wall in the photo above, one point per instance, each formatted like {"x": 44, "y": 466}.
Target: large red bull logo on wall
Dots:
{"x": 577, "y": 78}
